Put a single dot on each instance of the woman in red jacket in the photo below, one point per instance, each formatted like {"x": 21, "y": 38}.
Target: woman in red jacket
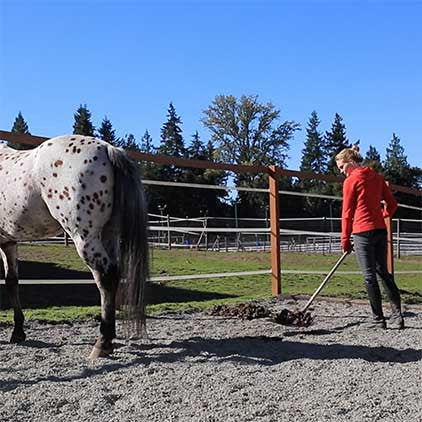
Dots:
{"x": 364, "y": 191}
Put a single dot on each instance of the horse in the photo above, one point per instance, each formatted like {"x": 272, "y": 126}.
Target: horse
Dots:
{"x": 92, "y": 191}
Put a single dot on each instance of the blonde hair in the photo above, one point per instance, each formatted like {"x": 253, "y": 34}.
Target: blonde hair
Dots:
{"x": 350, "y": 154}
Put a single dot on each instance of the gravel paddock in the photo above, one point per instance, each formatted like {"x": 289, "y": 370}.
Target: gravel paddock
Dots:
{"x": 199, "y": 367}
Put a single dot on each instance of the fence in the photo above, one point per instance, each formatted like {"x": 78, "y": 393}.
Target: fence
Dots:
{"x": 274, "y": 174}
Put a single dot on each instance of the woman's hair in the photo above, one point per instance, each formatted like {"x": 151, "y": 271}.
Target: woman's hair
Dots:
{"x": 350, "y": 154}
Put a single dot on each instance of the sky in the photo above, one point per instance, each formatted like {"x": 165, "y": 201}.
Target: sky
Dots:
{"x": 128, "y": 60}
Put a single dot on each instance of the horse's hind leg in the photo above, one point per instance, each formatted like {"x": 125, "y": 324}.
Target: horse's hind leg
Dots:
{"x": 105, "y": 274}
{"x": 107, "y": 282}
{"x": 9, "y": 256}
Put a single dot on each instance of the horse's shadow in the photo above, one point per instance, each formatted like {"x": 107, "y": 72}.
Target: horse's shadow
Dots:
{"x": 269, "y": 351}
{"x": 86, "y": 294}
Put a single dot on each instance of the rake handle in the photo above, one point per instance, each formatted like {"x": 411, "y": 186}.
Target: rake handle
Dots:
{"x": 325, "y": 281}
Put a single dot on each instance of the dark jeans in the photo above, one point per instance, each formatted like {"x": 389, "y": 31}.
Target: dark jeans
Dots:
{"x": 371, "y": 254}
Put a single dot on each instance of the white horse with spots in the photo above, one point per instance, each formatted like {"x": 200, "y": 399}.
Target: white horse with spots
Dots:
{"x": 93, "y": 191}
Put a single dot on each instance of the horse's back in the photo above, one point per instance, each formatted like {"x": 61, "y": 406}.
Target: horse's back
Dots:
{"x": 76, "y": 181}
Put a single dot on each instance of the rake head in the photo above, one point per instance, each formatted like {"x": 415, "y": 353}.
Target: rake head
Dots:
{"x": 298, "y": 318}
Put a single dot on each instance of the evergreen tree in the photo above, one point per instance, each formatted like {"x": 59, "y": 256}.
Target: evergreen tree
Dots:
{"x": 149, "y": 171}
{"x": 20, "y": 126}
{"x": 398, "y": 171}
{"x": 313, "y": 160}
{"x": 335, "y": 141}
{"x": 313, "y": 155}
{"x": 147, "y": 144}
{"x": 172, "y": 144}
{"x": 83, "y": 124}
{"x": 203, "y": 201}
{"x": 373, "y": 159}
{"x": 106, "y": 132}
{"x": 129, "y": 142}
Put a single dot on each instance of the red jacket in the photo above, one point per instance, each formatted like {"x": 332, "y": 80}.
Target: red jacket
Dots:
{"x": 363, "y": 191}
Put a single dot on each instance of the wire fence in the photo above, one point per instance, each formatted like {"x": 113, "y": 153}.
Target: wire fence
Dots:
{"x": 225, "y": 234}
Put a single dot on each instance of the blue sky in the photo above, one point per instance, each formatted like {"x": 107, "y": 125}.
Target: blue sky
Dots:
{"x": 128, "y": 59}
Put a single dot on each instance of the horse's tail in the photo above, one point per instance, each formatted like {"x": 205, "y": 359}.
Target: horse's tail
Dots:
{"x": 130, "y": 221}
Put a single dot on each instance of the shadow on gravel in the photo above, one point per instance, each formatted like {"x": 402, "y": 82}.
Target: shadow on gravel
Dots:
{"x": 276, "y": 350}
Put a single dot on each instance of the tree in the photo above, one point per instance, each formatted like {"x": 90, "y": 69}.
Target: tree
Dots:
{"x": 147, "y": 144}
{"x": 313, "y": 160}
{"x": 171, "y": 143}
{"x": 20, "y": 126}
{"x": 106, "y": 132}
{"x": 397, "y": 169}
{"x": 149, "y": 171}
{"x": 83, "y": 124}
{"x": 313, "y": 155}
{"x": 335, "y": 141}
{"x": 128, "y": 142}
{"x": 205, "y": 201}
{"x": 373, "y": 159}
{"x": 247, "y": 132}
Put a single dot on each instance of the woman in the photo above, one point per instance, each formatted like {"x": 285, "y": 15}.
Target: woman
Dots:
{"x": 364, "y": 190}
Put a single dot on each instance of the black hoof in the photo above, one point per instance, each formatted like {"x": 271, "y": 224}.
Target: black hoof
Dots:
{"x": 17, "y": 337}
{"x": 101, "y": 349}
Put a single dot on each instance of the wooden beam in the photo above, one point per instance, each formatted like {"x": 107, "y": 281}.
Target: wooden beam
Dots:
{"x": 274, "y": 232}
{"x": 390, "y": 246}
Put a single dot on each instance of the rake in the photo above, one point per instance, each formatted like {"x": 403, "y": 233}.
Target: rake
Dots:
{"x": 301, "y": 318}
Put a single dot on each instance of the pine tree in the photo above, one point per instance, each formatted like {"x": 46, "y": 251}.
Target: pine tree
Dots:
{"x": 148, "y": 168}
{"x": 83, "y": 124}
{"x": 106, "y": 132}
{"x": 313, "y": 155}
{"x": 205, "y": 201}
{"x": 335, "y": 141}
{"x": 147, "y": 145}
{"x": 313, "y": 160}
{"x": 20, "y": 126}
{"x": 172, "y": 142}
{"x": 373, "y": 159}
{"x": 397, "y": 169}
{"x": 129, "y": 142}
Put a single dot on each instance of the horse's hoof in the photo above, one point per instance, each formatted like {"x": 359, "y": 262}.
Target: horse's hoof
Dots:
{"x": 17, "y": 338}
{"x": 100, "y": 353}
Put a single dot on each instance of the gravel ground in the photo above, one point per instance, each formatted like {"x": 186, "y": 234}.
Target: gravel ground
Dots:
{"x": 198, "y": 367}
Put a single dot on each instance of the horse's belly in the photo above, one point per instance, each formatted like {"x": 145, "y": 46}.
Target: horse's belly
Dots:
{"x": 26, "y": 218}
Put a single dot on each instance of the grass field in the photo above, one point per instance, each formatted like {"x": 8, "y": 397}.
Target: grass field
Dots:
{"x": 57, "y": 261}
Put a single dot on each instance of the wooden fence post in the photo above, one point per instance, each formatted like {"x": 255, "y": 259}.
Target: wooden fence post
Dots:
{"x": 390, "y": 250}
{"x": 274, "y": 231}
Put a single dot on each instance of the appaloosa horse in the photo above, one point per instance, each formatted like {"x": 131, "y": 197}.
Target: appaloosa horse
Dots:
{"x": 93, "y": 191}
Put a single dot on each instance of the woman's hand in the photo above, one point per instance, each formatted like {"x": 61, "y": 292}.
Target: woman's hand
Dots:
{"x": 347, "y": 246}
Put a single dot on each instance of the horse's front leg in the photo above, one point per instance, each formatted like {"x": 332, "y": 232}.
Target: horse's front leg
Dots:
{"x": 107, "y": 284}
{"x": 9, "y": 255}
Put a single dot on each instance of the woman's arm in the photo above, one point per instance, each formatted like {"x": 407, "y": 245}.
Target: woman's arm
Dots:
{"x": 390, "y": 202}
{"x": 347, "y": 214}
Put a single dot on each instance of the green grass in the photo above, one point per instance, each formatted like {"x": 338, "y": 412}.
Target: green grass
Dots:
{"x": 198, "y": 294}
